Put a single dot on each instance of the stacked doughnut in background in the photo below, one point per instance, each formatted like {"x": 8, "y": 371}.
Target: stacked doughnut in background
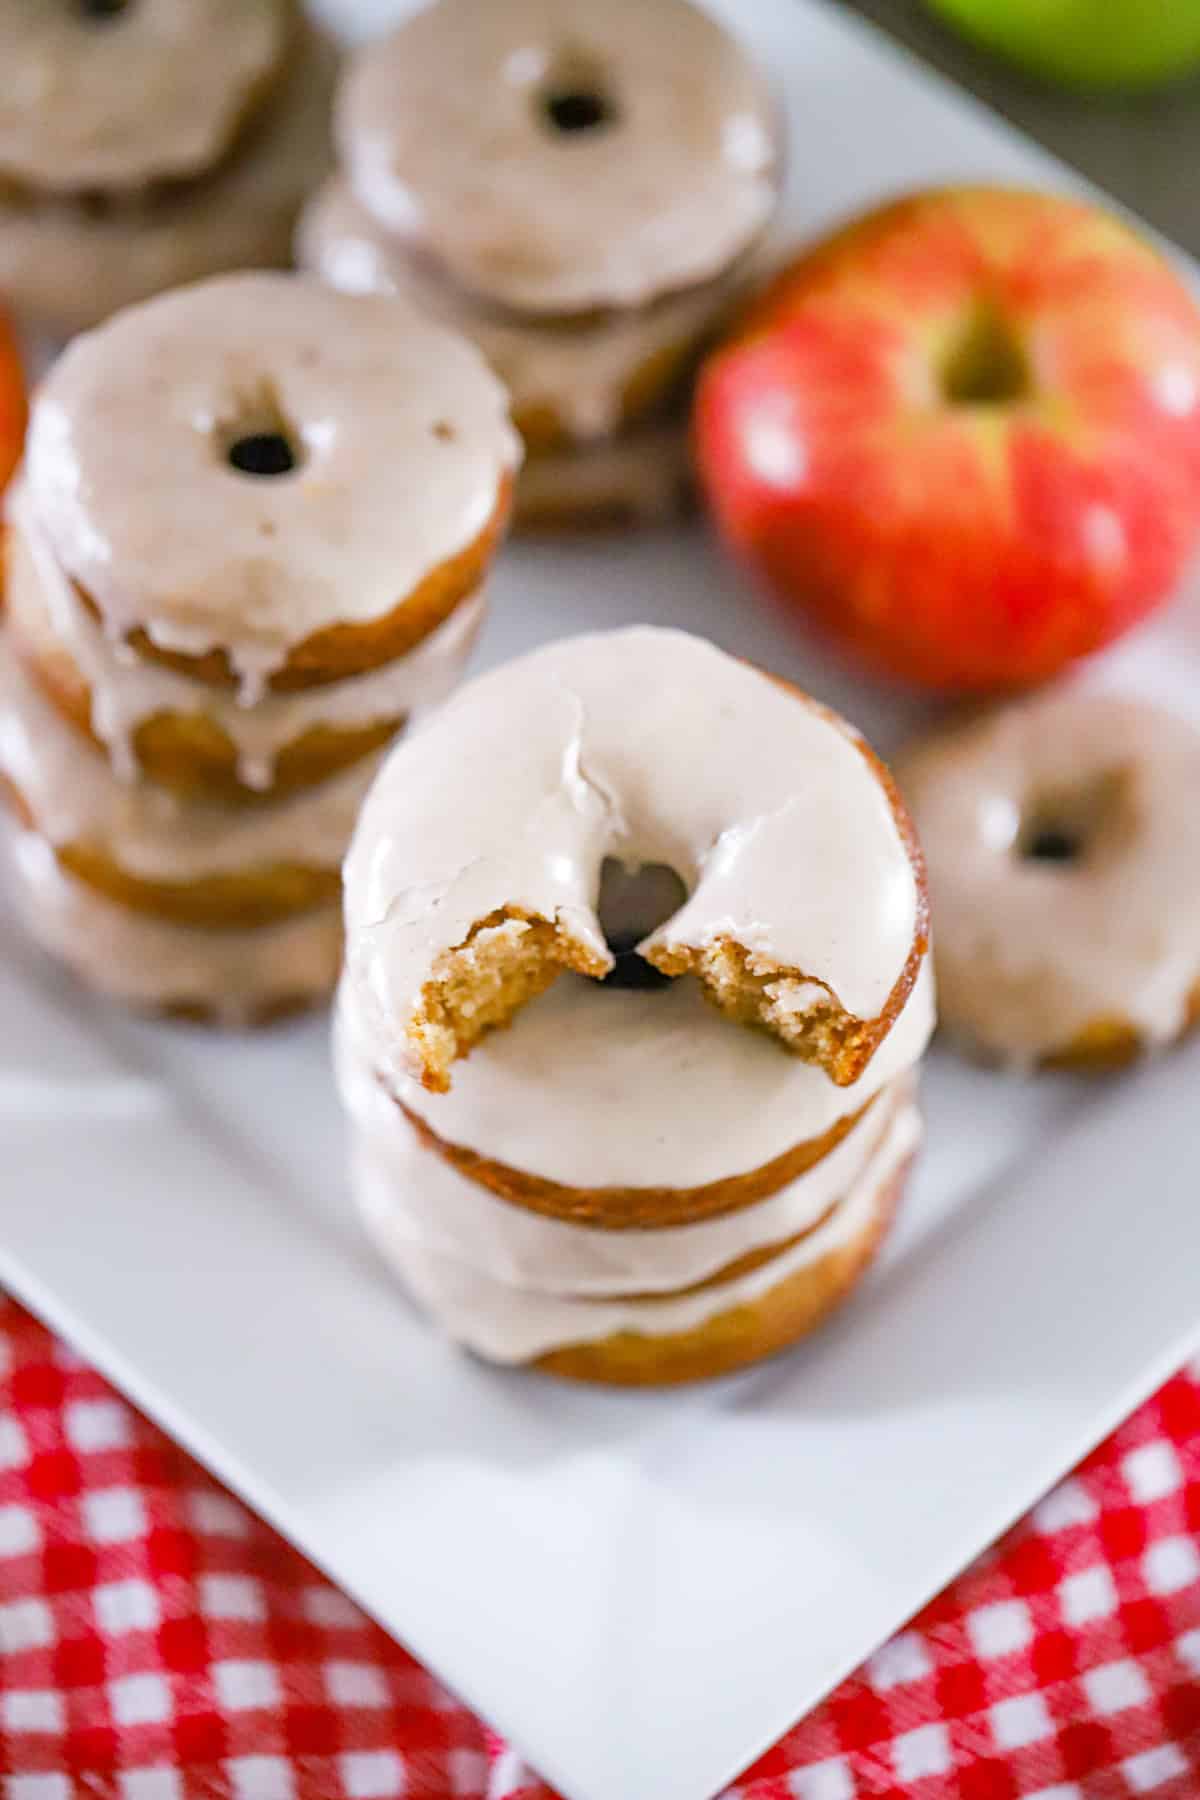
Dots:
{"x": 248, "y": 541}
{"x": 145, "y": 144}
{"x": 640, "y": 1179}
{"x": 576, "y": 187}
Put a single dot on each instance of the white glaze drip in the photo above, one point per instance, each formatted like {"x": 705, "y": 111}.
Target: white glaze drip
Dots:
{"x": 127, "y": 689}
{"x": 75, "y": 798}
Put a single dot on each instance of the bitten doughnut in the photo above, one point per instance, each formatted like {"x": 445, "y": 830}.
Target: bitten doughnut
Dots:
{"x": 550, "y": 106}
{"x": 104, "y": 94}
{"x": 1064, "y": 865}
{"x": 627, "y": 1184}
{"x": 475, "y": 870}
{"x": 296, "y": 417}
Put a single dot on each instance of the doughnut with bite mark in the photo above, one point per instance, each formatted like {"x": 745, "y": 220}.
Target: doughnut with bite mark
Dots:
{"x": 474, "y": 874}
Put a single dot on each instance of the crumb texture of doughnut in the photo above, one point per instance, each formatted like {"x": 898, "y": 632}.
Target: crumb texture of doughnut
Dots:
{"x": 475, "y": 871}
{"x": 1064, "y": 871}
{"x": 148, "y": 429}
{"x": 71, "y": 257}
{"x": 549, "y": 104}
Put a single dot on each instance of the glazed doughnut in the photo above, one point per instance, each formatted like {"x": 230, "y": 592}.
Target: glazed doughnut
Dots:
{"x": 200, "y": 742}
{"x": 150, "y": 428}
{"x": 232, "y": 978}
{"x": 547, "y": 105}
{"x": 613, "y": 1064}
{"x": 196, "y": 67}
{"x": 474, "y": 874}
{"x": 69, "y": 262}
{"x": 635, "y": 1308}
{"x": 570, "y": 381}
{"x": 137, "y": 844}
{"x": 1064, "y": 867}
{"x": 432, "y": 1203}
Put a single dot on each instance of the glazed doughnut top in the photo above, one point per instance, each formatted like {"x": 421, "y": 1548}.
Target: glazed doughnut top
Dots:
{"x": 121, "y": 93}
{"x": 396, "y": 447}
{"x": 647, "y": 746}
{"x": 561, "y": 156}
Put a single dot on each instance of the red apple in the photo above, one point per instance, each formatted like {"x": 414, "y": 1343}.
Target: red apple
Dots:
{"x": 12, "y": 403}
{"x": 963, "y": 435}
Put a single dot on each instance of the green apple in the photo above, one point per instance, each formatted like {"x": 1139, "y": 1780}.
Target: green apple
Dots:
{"x": 1088, "y": 43}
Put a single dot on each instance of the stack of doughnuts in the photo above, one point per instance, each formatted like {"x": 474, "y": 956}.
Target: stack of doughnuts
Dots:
{"x": 144, "y": 143}
{"x": 576, "y": 187}
{"x": 248, "y": 541}
{"x": 636, "y": 986}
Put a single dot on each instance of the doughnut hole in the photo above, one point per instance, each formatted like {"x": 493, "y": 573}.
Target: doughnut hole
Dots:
{"x": 575, "y": 101}
{"x": 260, "y": 441}
{"x": 101, "y": 12}
{"x": 633, "y": 902}
{"x": 1063, "y": 828}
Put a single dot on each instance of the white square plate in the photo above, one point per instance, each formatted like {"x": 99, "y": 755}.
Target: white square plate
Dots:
{"x": 642, "y": 1590}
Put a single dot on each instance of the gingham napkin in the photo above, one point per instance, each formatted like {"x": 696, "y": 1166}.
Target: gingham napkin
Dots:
{"x": 157, "y": 1642}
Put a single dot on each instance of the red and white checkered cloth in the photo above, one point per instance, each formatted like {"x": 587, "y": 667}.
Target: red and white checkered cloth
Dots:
{"x": 157, "y": 1642}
